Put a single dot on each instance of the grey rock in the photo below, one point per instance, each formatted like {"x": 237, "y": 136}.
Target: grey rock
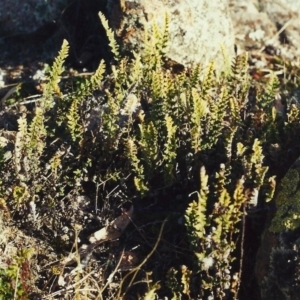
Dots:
{"x": 198, "y": 29}
{"x": 23, "y": 17}
{"x": 261, "y": 23}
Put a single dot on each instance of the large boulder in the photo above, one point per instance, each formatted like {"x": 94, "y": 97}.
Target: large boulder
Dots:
{"x": 198, "y": 29}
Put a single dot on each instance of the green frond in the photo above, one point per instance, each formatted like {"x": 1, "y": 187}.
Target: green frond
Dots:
{"x": 229, "y": 142}
{"x": 73, "y": 122}
{"x": 131, "y": 152}
{"x": 257, "y": 156}
{"x": 271, "y": 188}
{"x": 215, "y": 120}
{"x": 170, "y": 148}
{"x": 54, "y": 77}
{"x": 132, "y": 155}
{"x": 195, "y": 214}
{"x": 234, "y": 109}
{"x": 36, "y": 134}
{"x": 156, "y": 34}
{"x": 240, "y": 66}
{"x": 266, "y": 98}
{"x": 195, "y": 76}
{"x": 140, "y": 186}
{"x": 149, "y": 145}
{"x": 97, "y": 76}
{"x": 157, "y": 86}
{"x": 240, "y": 149}
{"x": 209, "y": 78}
{"x": 136, "y": 69}
{"x": 165, "y": 37}
{"x": 111, "y": 37}
{"x": 21, "y": 141}
{"x": 200, "y": 107}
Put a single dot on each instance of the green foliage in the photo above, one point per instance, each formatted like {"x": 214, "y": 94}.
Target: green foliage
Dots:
{"x": 154, "y": 129}
{"x": 51, "y": 87}
{"x": 15, "y": 279}
{"x": 287, "y": 216}
{"x": 112, "y": 42}
{"x": 212, "y": 234}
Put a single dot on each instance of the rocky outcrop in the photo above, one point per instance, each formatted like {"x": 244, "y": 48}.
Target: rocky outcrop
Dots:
{"x": 278, "y": 259}
{"x": 23, "y": 17}
{"x": 198, "y": 29}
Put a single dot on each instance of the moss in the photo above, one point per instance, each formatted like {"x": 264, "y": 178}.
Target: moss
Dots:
{"x": 287, "y": 203}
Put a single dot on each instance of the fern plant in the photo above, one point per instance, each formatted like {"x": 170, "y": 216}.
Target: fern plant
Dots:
{"x": 153, "y": 129}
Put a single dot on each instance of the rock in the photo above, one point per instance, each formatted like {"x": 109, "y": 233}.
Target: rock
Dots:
{"x": 253, "y": 29}
{"x": 23, "y": 17}
{"x": 278, "y": 259}
{"x": 198, "y": 29}
{"x": 264, "y": 23}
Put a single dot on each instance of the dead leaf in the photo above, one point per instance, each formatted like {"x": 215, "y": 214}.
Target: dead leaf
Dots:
{"x": 108, "y": 233}
{"x": 114, "y": 229}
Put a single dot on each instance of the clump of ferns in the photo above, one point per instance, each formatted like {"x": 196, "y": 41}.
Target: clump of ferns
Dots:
{"x": 149, "y": 112}
{"x": 206, "y": 112}
{"x": 212, "y": 220}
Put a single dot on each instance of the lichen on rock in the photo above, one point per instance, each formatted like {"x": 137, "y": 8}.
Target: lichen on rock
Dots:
{"x": 287, "y": 202}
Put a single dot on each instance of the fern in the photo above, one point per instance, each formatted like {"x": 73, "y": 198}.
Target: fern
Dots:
{"x": 52, "y": 87}
{"x": 89, "y": 85}
{"x": 21, "y": 141}
{"x": 73, "y": 118}
{"x": 165, "y": 39}
{"x": 199, "y": 110}
{"x": 266, "y": 98}
{"x": 149, "y": 147}
{"x": 238, "y": 80}
{"x": 195, "y": 215}
{"x": 36, "y": 135}
{"x": 169, "y": 155}
{"x": 112, "y": 42}
{"x": 132, "y": 155}
{"x": 209, "y": 79}
{"x": 195, "y": 76}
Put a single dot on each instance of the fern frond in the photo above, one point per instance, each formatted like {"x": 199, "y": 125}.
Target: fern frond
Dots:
{"x": 270, "y": 90}
{"x": 195, "y": 214}
{"x": 195, "y": 75}
{"x": 208, "y": 79}
{"x": 54, "y": 77}
{"x": 136, "y": 68}
{"x": 240, "y": 66}
{"x": 165, "y": 38}
{"x": 98, "y": 75}
{"x": 140, "y": 186}
{"x": 36, "y": 134}
{"x": 112, "y": 41}
{"x": 170, "y": 145}
{"x": 155, "y": 33}
{"x": 149, "y": 145}
{"x": 200, "y": 107}
{"x": 169, "y": 155}
{"x": 131, "y": 153}
{"x": 21, "y": 141}
{"x": 73, "y": 122}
